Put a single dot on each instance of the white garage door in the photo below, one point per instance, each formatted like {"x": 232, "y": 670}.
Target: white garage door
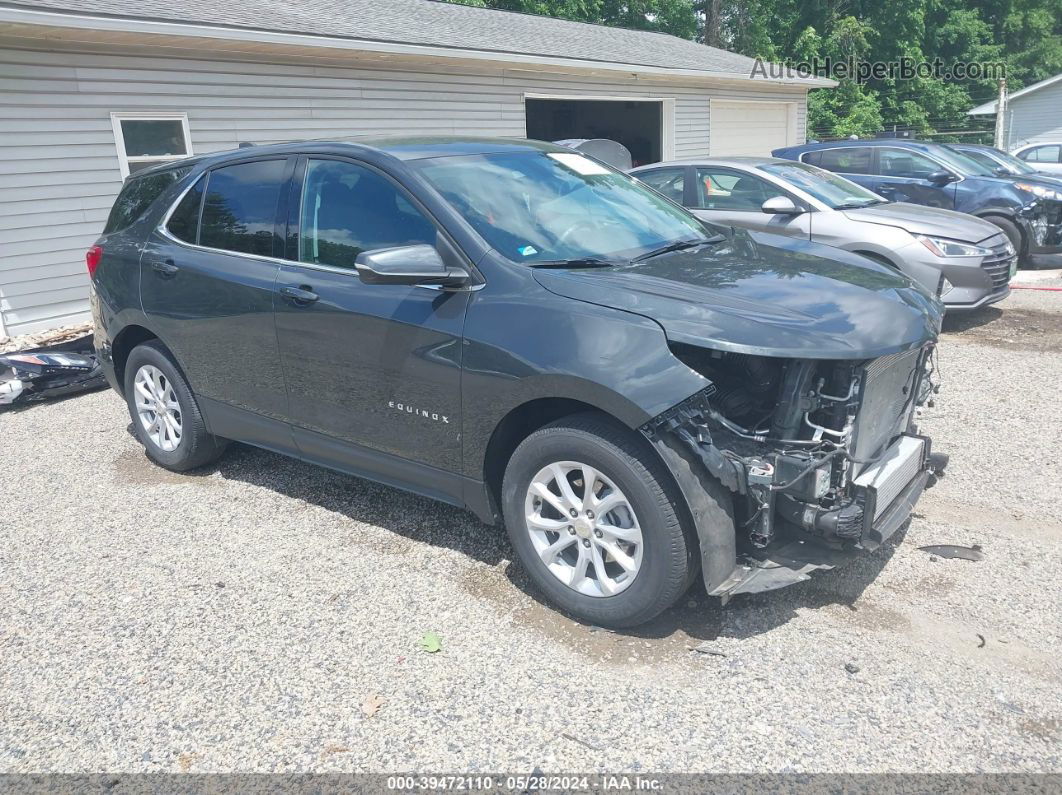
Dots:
{"x": 750, "y": 128}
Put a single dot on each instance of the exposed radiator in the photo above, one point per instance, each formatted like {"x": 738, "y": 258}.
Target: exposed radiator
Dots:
{"x": 888, "y": 386}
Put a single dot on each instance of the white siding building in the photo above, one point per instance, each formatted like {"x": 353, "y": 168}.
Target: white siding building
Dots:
{"x": 93, "y": 89}
{"x": 1033, "y": 114}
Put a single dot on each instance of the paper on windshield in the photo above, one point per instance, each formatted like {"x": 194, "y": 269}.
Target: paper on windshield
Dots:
{"x": 579, "y": 164}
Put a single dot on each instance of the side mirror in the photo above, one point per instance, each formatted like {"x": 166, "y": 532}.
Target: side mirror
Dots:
{"x": 413, "y": 265}
{"x": 1000, "y": 171}
{"x": 781, "y": 205}
{"x": 941, "y": 177}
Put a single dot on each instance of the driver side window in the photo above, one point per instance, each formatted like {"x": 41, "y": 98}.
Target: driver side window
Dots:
{"x": 347, "y": 209}
{"x": 720, "y": 189}
{"x": 906, "y": 165}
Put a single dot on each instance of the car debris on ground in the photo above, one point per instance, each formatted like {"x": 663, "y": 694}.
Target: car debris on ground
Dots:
{"x": 65, "y": 365}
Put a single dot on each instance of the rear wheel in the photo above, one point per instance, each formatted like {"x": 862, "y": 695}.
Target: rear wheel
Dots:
{"x": 166, "y": 417}
{"x": 591, "y": 513}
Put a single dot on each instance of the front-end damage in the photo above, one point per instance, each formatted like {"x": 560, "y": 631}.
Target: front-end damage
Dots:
{"x": 820, "y": 458}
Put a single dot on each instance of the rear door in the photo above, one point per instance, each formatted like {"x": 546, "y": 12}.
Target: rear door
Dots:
{"x": 902, "y": 175}
{"x": 208, "y": 277}
{"x": 374, "y": 371}
{"x": 852, "y": 162}
{"x": 735, "y": 198}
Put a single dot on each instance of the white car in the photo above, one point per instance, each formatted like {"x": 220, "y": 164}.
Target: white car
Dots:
{"x": 1043, "y": 156}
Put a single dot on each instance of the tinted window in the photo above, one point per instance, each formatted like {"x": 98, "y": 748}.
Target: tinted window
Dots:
{"x": 137, "y": 195}
{"x": 850, "y": 160}
{"x": 668, "y": 181}
{"x": 347, "y": 209}
{"x": 184, "y": 221}
{"x": 905, "y": 164}
{"x": 813, "y": 158}
{"x": 1042, "y": 154}
{"x": 719, "y": 189}
{"x": 240, "y": 207}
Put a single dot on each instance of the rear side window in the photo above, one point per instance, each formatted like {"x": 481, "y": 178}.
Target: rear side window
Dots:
{"x": 669, "y": 181}
{"x": 812, "y": 158}
{"x": 850, "y": 160}
{"x": 136, "y": 196}
{"x": 1042, "y": 154}
{"x": 184, "y": 221}
{"x": 240, "y": 207}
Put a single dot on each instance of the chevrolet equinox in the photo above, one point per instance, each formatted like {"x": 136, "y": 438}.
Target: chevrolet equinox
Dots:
{"x": 515, "y": 328}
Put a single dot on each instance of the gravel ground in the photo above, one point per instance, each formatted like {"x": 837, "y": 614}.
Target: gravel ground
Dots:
{"x": 241, "y": 618}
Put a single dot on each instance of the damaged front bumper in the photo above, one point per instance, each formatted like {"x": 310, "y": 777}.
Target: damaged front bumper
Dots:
{"x": 801, "y": 505}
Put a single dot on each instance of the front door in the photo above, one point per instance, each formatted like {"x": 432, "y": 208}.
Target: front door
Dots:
{"x": 735, "y": 198}
{"x": 903, "y": 176}
{"x": 207, "y": 284}
{"x": 373, "y": 371}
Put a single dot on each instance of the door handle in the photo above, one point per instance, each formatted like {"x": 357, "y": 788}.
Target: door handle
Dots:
{"x": 165, "y": 268}
{"x": 300, "y": 296}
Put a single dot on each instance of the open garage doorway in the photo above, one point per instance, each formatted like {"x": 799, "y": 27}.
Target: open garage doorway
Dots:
{"x": 638, "y": 124}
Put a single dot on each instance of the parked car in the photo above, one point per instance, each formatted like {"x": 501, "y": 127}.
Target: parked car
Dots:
{"x": 967, "y": 260}
{"x": 1044, "y": 156}
{"x": 936, "y": 176}
{"x": 1004, "y": 164}
{"x": 512, "y": 327}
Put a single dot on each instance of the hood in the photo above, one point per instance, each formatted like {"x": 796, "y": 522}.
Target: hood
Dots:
{"x": 765, "y": 295}
{"x": 920, "y": 220}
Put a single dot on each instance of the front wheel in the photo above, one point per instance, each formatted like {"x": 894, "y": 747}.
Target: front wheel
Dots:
{"x": 592, "y": 515}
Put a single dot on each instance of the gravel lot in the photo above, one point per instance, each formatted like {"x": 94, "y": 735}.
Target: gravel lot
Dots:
{"x": 239, "y": 619}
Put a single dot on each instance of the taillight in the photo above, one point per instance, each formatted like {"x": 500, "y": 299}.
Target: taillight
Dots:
{"x": 92, "y": 259}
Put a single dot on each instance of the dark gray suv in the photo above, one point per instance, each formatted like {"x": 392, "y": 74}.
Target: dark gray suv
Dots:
{"x": 515, "y": 328}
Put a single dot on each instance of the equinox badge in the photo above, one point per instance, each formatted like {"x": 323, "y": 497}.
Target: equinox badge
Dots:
{"x": 431, "y": 415}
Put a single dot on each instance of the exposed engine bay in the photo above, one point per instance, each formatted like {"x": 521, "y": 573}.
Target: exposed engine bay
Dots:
{"x": 812, "y": 449}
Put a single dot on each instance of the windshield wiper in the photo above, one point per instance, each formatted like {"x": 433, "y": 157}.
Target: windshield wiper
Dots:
{"x": 578, "y": 262}
{"x": 680, "y": 245}
{"x": 860, "y": 205}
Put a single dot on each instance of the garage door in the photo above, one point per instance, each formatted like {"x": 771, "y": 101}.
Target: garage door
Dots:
{"x": 749, "y": 128}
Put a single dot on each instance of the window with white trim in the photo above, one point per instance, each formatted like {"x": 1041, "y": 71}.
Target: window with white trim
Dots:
{"x": 147, "y": 139}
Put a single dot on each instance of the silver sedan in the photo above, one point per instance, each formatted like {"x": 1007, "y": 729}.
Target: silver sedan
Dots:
{"x": 968, "y": 261}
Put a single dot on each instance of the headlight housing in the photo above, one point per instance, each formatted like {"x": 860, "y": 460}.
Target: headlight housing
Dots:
{"x": 1039, "y": 191}
{"x": 942, "y": 247}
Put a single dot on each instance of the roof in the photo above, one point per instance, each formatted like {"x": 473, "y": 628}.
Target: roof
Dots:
{"x": 900, "y": 143}
{"x": 421, "y": 23}
{"x": 990, "y": 107}
{"x": 746, "y": 161}
{"x": 399, "y": 146}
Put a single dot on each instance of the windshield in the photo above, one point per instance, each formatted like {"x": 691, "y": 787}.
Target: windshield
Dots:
{"x": 966, "y": 166}
{"x": 996, "y": 158}
{"x": 829, "y": 188}
{"x": 555, "y": 206}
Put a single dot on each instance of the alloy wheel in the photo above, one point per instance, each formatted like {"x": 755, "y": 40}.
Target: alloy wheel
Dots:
{"x": 157, "y": 408}
{"x": 583, "y": 528}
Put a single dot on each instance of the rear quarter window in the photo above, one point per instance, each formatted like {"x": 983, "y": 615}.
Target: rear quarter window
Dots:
{"x": 137, "y": 195}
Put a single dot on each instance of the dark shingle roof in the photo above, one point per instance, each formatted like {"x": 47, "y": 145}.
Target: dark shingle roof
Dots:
{"x": 425, "y": 22}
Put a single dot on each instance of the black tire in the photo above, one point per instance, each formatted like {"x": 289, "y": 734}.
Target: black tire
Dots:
{"x": 669, "y": 557}
{"x": 1013, "y": 233}
{"x": 197, "y": 446}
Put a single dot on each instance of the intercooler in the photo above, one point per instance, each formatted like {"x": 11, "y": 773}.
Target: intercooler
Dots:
{"x": 887, "y": 399}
